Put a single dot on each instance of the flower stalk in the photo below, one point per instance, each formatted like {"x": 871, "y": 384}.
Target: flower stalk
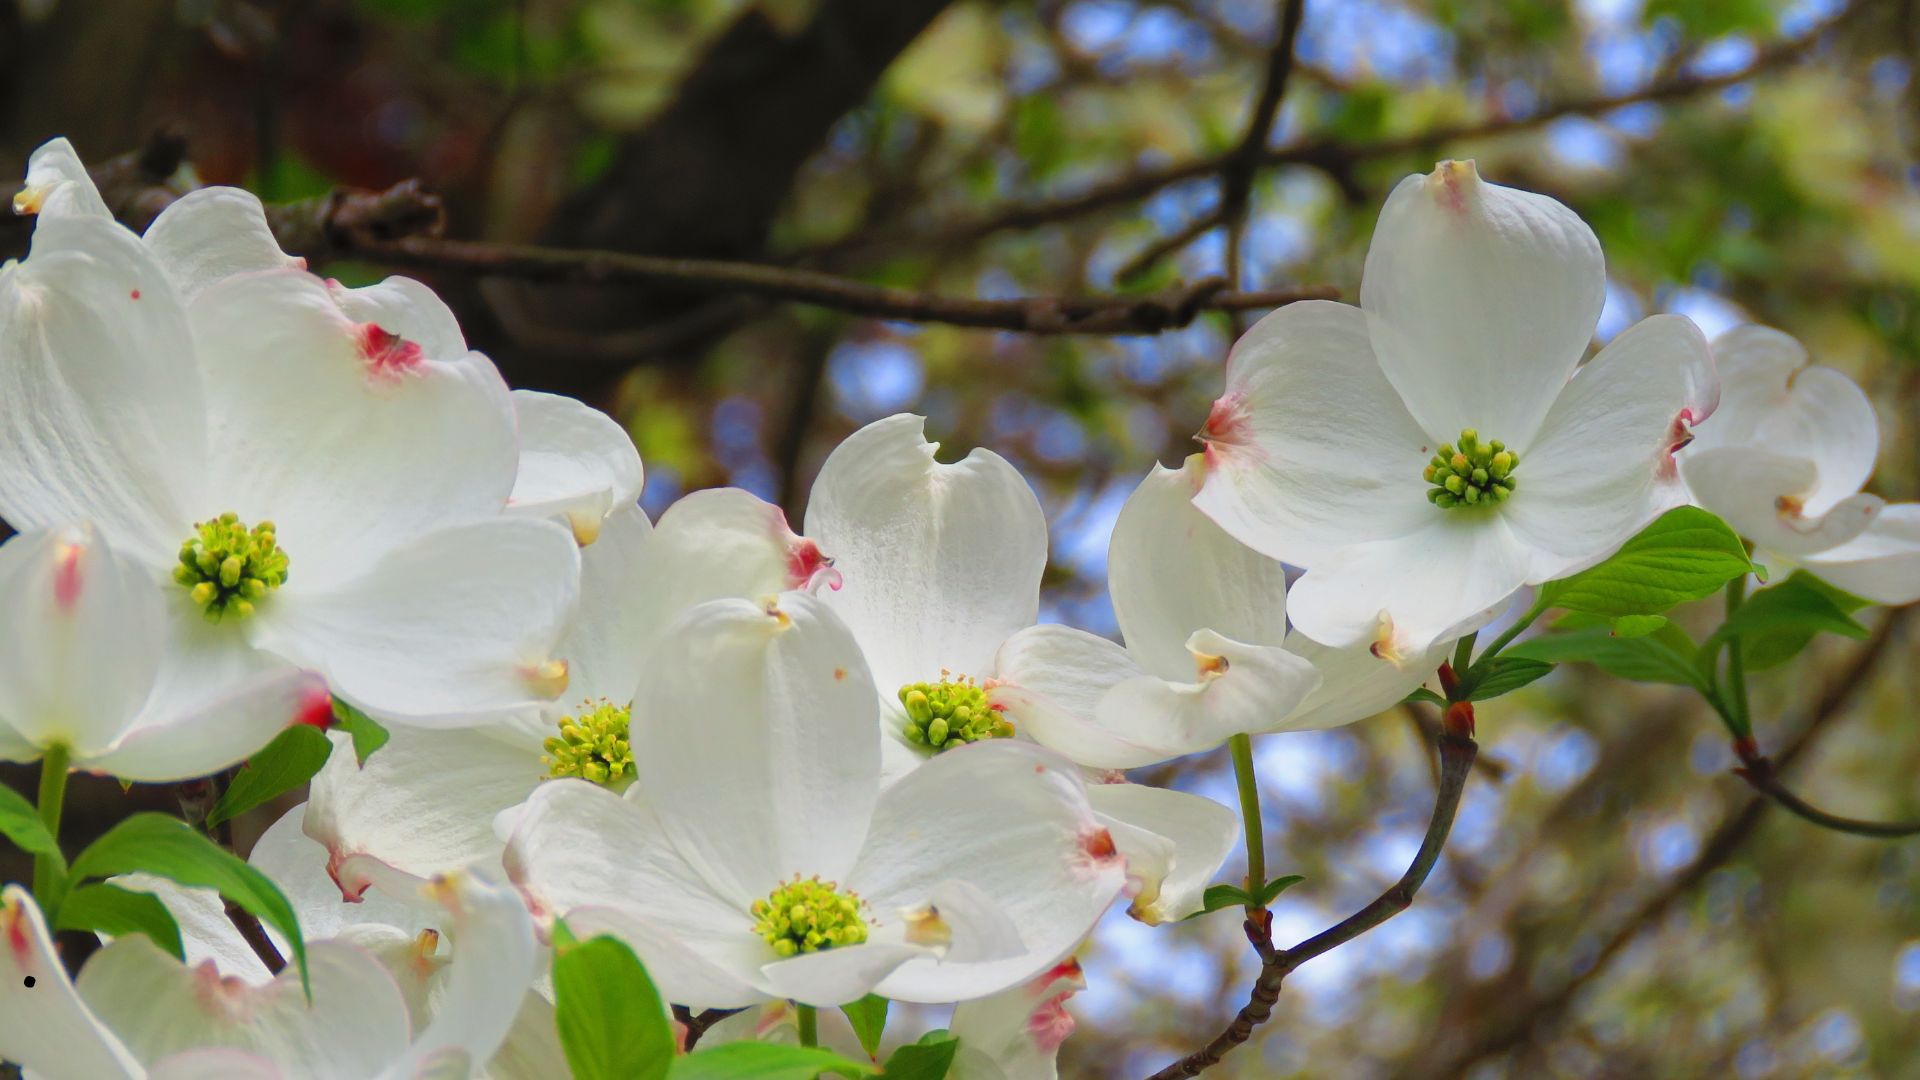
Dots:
{"x": 48, "y": 873}
{"x": 1253, "y": 828}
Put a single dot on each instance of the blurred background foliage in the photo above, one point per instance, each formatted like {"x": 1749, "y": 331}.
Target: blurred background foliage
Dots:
{"x": 1611, "y": 905}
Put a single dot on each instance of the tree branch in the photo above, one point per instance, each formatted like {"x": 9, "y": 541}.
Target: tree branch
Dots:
{"x": 255, "y": 936}
{"x": 1760, "y": 774}
{"x": 1517, "y": 1021}
{"x": 1457, "y": 752}
{"x": 1170, "y": 310}
{"x": 1335, "y": 156}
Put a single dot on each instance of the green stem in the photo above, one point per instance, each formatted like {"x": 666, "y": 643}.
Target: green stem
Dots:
{"x": 1463, "y": 653}
{"x": 809, "y": 1025}
{"x": 1742, "y": 720}
{"x": 47, "y": 869}
{"x": 1519, "y": 626}
{"x": 1242, "y": 747}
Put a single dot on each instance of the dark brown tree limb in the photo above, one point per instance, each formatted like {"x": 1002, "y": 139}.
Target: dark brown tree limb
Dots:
{"x": 1763, "y": 776}
{"x": 696, "y": 1024}
{"x": 1033, "y": 315}
{"x": 255, "y": 936}
{"x": 1236, "y": 178}
{"x": 1457, "y": 752}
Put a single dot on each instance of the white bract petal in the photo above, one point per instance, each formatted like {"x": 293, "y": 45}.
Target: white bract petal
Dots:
{"x": 1424, "y": 457}
{"x": 576, "y": 463}
{"x": 58, "y": 185}
{"x": 1881, "y": 564}
{"x": 941, "y": 562}
{"x": 1785, "y": 458}
{"x": 1016, "y": 1034}
{"x": 1480, "y": 300}
{"x": 44, "y": 1024}
{"x": 1174, "y": 844}
{"x": 212, "y": 234}
{"x": 158, "y": 1007}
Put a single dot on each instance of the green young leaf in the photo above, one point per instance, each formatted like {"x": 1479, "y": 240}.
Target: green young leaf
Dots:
{"x": 613, "y": 1025}
{"x": 20, "y": 823}
{"x": 1277, "y": 886}
{"x": 110, "y": 909}
{"x": 162, "y": 846}
{"x": 763, "y": 1061}
{"x": 1421, "y": 693}
{"x": 1632, "y": 626}
{"x": 1664, "y": 656}
{"x": 367, "y": 733}
{"x": 869, "y": 1017}
{"x": 1777, "y": 622}
{"x": 1501, "y": 674}
{"x": 1221, "y": 897}
{"x": 288, "y": 761}
{"x": 928, "y": 1059}
{"x": 1686, "y": 555}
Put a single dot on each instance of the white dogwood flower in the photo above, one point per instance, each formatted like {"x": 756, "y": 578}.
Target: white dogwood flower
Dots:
{"x": 942, "y": 566}
{"x": 1427, "y": 454}
{"x": 426, "y": 803}
{"x": 764, "y": 859}
{"x": 316, "y": 474}
{"x": 81, "y": 673}
{"x": 137, "y": 1013}
{"x": 1208, "y": 652}
{"x": 1784, "y": 459}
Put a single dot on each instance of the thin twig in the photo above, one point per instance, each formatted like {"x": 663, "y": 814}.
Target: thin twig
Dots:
{"x": 255, "y": 936}
{"x": 1517, "y": 1021}
{"x": 1457, "y": 752}
{"x": 1762, "y": 776}
{"x": 1333, "y": 155}
{"x": 1153, "y": 314}
{"x": 696, "y": 1024}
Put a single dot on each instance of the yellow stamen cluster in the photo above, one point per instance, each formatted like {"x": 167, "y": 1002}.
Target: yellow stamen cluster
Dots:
{"x": 951, "y": 712}
{"x": 1472, "y": 474}
{"x": 227, "y": 567}
{"x": 808, "y": 916}
{"x": 593, "y": 746}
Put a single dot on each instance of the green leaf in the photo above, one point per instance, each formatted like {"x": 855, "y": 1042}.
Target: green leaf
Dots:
{"x": 1501, "y": 674}
{"x": 1632, "y": 626}
{"x": 1279, "y": 885}
{"x": 1421, "y": 693}
{"x": 1221, "y": 897}
{"x": 928, "y": 1059}
{"x": 20, "y": 823}
{"x": 613, "y": 1025}
{"x": 110, "y": 909}
{"x": 1686, "y": 555}
{"x": 367, "y": 733}
{"x": 160, "y": 845}
{"x": 1664, "y": 656}
{"x": 869, "y": 1017}
{"x": 762, "y": 1061}
{"x": 288, "y": 761}
{"x": 1777, "y": 622}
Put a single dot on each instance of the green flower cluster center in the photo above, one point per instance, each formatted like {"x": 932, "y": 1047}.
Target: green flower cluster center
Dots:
{"x": 1474, "y": 473}
{"x": 227, "y": 567}
{"x": 808, "y": 916}
{"x": 593, "y": 746}
{"x": 951, "y": 712}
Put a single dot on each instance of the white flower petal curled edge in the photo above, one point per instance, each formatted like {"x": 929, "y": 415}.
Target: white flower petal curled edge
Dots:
{"x": 1429, "y": 453}
{"x": 1016, "y": 1034}
{"x": 316, "y": 475}
{"x": 942, "y": 565}
{"x": 976, "y": 872}
{"x": 82, "y": 672}
{"x": 1783, "y": 461}
{"x": 138, "y": 1014}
